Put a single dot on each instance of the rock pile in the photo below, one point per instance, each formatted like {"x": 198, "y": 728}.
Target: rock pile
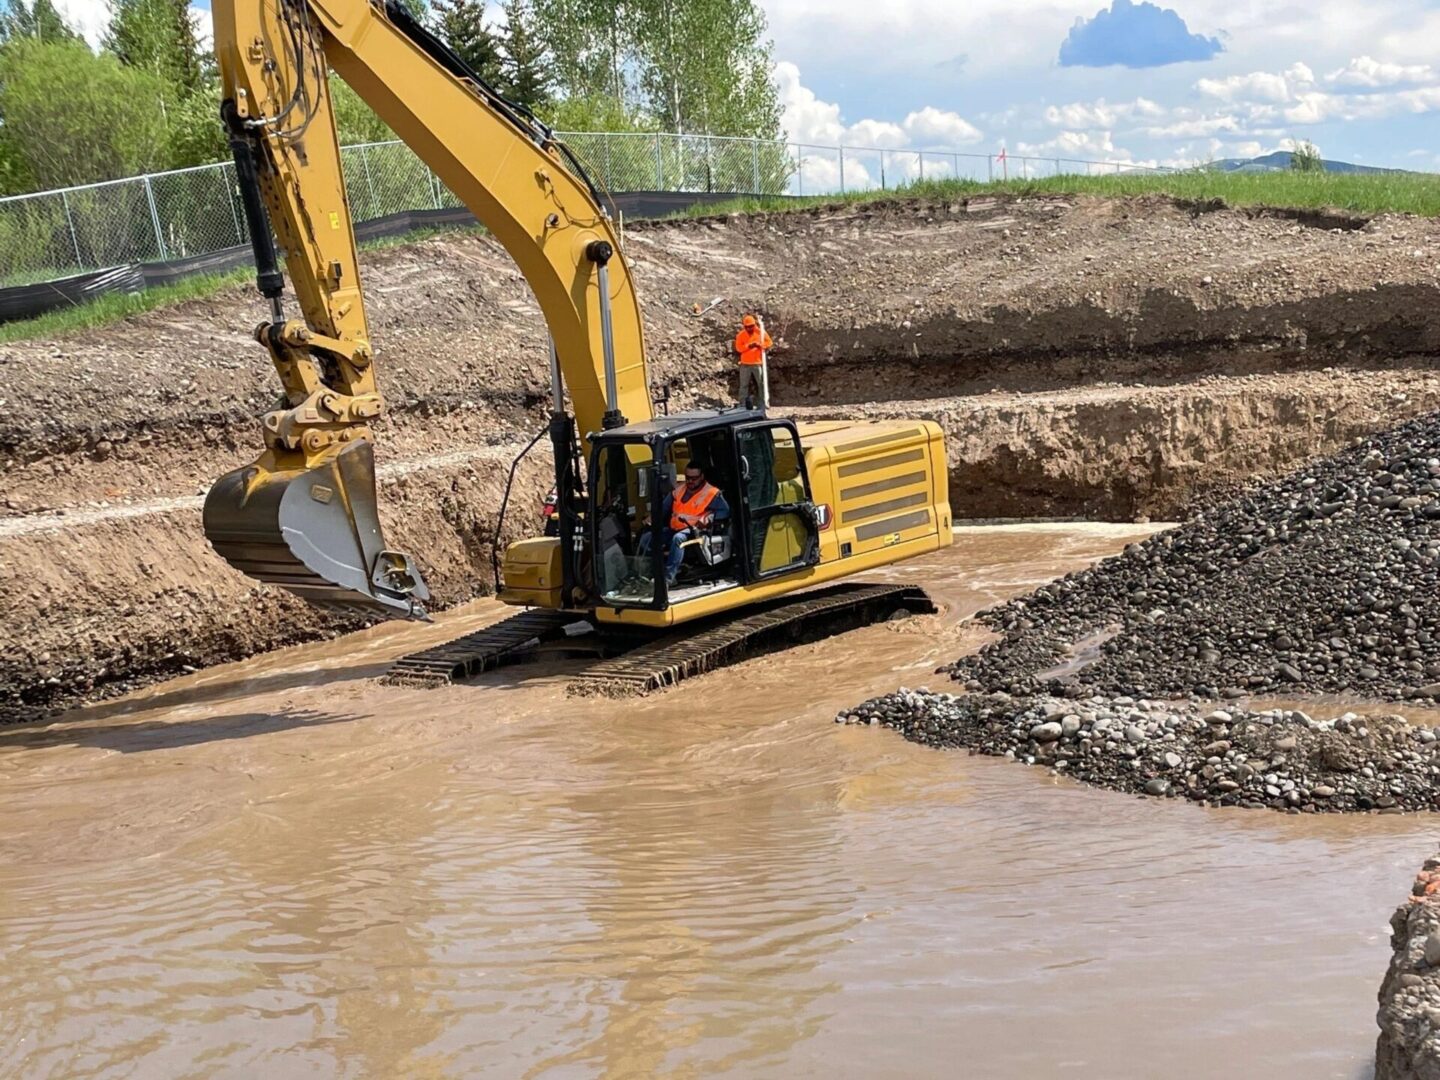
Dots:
{"x": 1324, "y": 581}
{"x": 1409, "y": 1017}
{"x": 1278, "y": 758}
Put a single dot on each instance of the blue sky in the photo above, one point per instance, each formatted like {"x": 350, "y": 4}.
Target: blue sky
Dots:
{"x": 1169, "y": 82}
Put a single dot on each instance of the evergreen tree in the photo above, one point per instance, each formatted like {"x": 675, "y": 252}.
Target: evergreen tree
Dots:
{"x": 158, "y": 36}
{"x": 524, "y": 65}
{"x": 461, "y": 23}
{"x": 40, "y": 21}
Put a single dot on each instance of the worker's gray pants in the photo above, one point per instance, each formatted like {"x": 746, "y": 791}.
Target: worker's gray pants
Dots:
{"x": 752, "y": 386}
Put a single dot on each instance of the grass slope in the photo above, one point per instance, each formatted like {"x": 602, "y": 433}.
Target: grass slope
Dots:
{"x": 1395, "y": 193}
{"x": 1402, "y": 193}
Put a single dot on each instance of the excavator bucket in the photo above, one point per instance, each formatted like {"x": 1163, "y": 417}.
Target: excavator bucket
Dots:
{"x": 316, "y": 531}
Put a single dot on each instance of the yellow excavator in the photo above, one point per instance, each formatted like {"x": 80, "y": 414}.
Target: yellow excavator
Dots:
{"x": 810, "y": 503}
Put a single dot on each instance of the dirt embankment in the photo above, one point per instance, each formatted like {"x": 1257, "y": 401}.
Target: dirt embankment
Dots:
{"x": 1087, "y": 358}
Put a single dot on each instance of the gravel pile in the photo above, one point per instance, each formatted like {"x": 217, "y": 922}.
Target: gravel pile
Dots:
{"x": 1277, "y": 758}
{"x": 1324, "y": 581}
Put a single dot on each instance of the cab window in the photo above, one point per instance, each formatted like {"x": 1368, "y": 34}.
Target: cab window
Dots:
{"x": 623, "y": 474}
{"x": 781, "y": 522}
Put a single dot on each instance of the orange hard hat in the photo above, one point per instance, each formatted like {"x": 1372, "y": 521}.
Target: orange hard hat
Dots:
{"x": 748, "y": 320}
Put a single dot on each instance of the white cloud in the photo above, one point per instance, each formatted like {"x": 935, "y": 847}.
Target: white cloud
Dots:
{"x": 1259, "y": 85}
{"x": 204, "y": 27}
{"x": 808, "y": 119}
{"x": 880, "y": 133}
{"x": 1100, "y": 113}
{"x": 1367, "y": 72}
{"x": 1200, "y": 127}
{"x": 939, "y": 127}
{"x": 1086, "y": 145}
{"x": 805, "y": 118}
{"x": 90, "y": 17}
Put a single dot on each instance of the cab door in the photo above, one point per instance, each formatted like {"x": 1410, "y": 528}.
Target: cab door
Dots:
{"x": 779, "y": 518}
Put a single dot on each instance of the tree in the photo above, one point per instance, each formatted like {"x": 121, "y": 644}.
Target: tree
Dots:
{"x": 461, "y": 23}
{"x": 40, "y": 21}
{"x": 595, "y": 112}
{"x": 524, "y": 64}
{"x": 158, "y": 36}
{"x": 705, "y": 67}
{"x": 195, "y": 135}
{"x": 1306, "y": 158}
{"x": 74, "y": 118}
{"x": 592, "y": 45}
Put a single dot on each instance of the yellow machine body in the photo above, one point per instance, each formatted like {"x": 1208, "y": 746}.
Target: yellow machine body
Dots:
{"x": 303, "y": 514}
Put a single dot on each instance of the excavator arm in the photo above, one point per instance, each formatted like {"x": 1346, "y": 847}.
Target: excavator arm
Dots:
{"x": 304, "y": 514}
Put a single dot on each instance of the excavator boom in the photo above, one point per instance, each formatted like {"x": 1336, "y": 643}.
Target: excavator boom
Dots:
{"x": 304, "y": 514}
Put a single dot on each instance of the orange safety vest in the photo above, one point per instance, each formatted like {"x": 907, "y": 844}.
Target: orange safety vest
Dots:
{"x": 749, "y": 345}
{"x": 692, "y": 507}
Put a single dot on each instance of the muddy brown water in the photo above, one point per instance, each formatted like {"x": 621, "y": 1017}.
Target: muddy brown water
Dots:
{"x": 281, "y": 869}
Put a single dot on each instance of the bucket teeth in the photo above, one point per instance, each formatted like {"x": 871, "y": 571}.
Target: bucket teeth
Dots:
{"x": 316, "y": 531}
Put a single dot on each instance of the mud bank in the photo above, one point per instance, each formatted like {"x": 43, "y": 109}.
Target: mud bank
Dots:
{"x": 1088, "y": 358}
{"x": 1409, "y": 1044}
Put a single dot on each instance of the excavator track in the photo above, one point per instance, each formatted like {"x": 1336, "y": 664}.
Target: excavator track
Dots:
{"x": 694, "y": 650}
{"x": 484, "y": 650}
{"x": 645, "y": 664}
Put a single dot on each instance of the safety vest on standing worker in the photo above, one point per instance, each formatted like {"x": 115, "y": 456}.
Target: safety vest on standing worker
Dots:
{"x": 690, "y": 506}
{"x": 751, "y": 342}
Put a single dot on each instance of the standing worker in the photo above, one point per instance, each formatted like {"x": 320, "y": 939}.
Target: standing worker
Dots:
{"x": 751, "y": 343}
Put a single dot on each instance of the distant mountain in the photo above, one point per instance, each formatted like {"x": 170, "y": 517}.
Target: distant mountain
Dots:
{"x": 1280, "y": 160}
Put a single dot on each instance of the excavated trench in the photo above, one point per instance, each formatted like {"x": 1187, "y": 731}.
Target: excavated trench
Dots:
{"x": 1087, "y": 359}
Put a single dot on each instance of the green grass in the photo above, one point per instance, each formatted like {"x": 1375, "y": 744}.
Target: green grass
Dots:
{"x": 112, "y": 307}
{"x": 1406, "y": 193}
{"x": 1409, "y": 193}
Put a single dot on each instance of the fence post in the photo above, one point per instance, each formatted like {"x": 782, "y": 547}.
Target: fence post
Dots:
{"x": 882, "y": 170}
{"x": 434, "y": 187}
{"x": 799, "y": 170}
{"x": 659, "y": 169}
{"x": 155, "y": 219}
{"x": 957, "y": 165}
{"x": 609, "y": 172}
{"x": 369, "y": 181}
{"x": 230, "y": 199}
{"x": 74, "y": 240}
{"x": 755, "y": 166}
{"x": 842, "y": 168}
{"x": 990, "y": 167}
{"x": 920, "y": 161}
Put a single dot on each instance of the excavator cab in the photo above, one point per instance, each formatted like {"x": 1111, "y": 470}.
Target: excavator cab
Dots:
{"x": 770, "y": 528}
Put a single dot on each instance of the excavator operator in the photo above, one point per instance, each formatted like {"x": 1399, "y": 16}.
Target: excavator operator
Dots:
{"x": 695, "y": 506}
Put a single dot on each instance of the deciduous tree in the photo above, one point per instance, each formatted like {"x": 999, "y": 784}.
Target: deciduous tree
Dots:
{"x": 74, "y": 117}
{"x": 158, "y": 36}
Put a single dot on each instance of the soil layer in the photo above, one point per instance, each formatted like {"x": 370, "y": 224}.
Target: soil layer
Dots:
{"x": 1097, "y": 358}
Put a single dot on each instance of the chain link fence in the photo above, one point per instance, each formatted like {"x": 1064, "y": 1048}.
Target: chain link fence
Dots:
{"x": 196, "y": 211}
